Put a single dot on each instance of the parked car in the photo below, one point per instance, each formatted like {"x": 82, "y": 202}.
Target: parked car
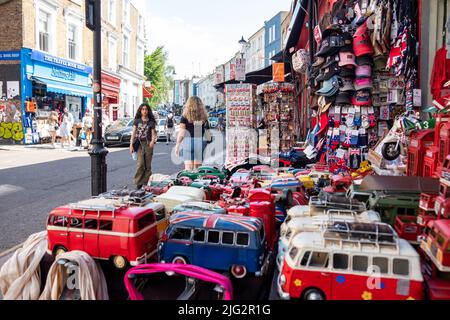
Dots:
{"x": 160, "y": 129}
{"x": 119, "y": 133}
{"x": 126, "y": 235}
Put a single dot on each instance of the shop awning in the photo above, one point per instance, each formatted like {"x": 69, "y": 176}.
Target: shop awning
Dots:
{"x": 66, "y": 88}
{"x": 296, "y": 26}
{"x": 147, "y": 93}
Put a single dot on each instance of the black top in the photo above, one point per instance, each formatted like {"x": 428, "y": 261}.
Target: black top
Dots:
{"x": 144, "y": 129}
{"x": 170, "y": 122}
{"x": 196, "y": 130}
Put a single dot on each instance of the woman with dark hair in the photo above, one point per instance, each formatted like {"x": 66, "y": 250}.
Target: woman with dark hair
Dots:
{"x": 142, "y": 141}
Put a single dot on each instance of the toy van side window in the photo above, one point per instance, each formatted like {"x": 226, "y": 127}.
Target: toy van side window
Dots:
{"x": 213, "y": 236}
{"x": 146, "y": 221}
{"x": 380, "y": 265}
{"x": 360, "y": 263}
{"x": 304, "y": 261}
{"x": 261, "y": 234}
{"x": 340, "y": 261}
{"x": 106, "y": 225}
{"x": 160, "y": 214}
{"x": 319, "y": 260}
{"x": 242, "y": 239}
{"x": 228, "y": 238}
{"x": 57, "y": 221}
{"x": 76, "y": 223}
{"x": 199, "y": 235}
{"x": 181, "y": 234}
{"x": 91, "y": 224}
{"x": 401, "y": 267}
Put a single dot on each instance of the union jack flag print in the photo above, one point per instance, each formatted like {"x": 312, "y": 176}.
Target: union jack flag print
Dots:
{"x": 216, "y": 221}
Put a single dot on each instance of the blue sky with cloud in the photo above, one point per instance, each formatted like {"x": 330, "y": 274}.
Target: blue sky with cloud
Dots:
{"x": 200, "y": 34}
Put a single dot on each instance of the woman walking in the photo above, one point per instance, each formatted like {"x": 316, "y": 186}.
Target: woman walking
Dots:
{"x": 64, "y": 130}
{"x": 142, "y": 141}
{"x": 193, "y": 126}
{"x": 87, "y": 124}
{"x": 54, "y": 126}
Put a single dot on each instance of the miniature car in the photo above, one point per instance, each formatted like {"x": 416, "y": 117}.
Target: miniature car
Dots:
{"x": 203, "y": 171}
{"x": 199, "y": 207}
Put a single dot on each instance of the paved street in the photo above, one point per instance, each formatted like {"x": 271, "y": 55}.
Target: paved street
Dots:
{"x": 29, "y": 191}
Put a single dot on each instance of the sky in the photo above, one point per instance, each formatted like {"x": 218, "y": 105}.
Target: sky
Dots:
{"x": 202, "y": 34}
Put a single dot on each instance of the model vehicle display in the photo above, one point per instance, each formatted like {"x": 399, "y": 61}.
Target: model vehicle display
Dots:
{"x": 203, "y": 171}
{"x": 177, "y": 195}
{"x": 199, "y": 207}
{"x": 105, "y": 230}
{"x": 217, "y": 242}
{"x": 442, "y": 205}
{"x": 334, "y": 265}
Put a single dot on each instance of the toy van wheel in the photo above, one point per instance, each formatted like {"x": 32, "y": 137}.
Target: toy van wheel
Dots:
{"x": 238, "y": 272}
{"x": 313, "y": 294}
{"x": 120, "y": 262}
{"x": 390, "y": 151}
{"x": 177, "y": 260}
{"x": 59, "y": 250}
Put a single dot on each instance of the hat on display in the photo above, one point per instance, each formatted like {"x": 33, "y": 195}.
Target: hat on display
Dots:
{"x": 331, "y": 60}
{"x": 330, "y": 45}
{"x": 364, "y": 60}
{"x": 363, "y": 71}
{"x": 331, "y": 71}
{"x": 346, "y": 58}
{"x": 362, "y": 43}
{"x": 363, "y": 83}
{"x": 330, "y": 87}
{"x": 331, "y": 30}
{"x": 318, "y": 62}
{"x": 343, "y": 98}
{"x": 347, "y": 72}
{"x": 362, "y": 98}
{"x": 348, "y": 42}
{"x": 347, "y": 85}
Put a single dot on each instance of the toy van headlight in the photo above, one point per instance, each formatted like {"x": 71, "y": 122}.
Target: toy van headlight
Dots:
{"x": 282, "y": 280}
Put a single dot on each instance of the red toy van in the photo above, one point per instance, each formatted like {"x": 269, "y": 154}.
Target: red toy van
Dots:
{"x": 125, "y": 235}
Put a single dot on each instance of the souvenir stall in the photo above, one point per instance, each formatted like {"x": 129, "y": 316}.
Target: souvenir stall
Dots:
{"x": 278, "y": 110}
{"x": 241, "y": 103}
{"x": 362, "y": 81}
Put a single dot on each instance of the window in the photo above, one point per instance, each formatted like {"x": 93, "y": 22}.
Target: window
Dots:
{"x": 228, "y": 238}
{"x": 126, "y": 11}
{"x": 305, "y": 259}
{"x": 106, "y": 225}
{"x": 401, "y": 267}
{"x": 58, "y": 221}
{"x": 112, "y": 53}
{"x": 140, "y": 26}
{"x": 242, "y": 239}
{"x": 72, "y": 41}
{"x": 273, "y": 32}
{"x": 340, "y": 261}
{"x": 213, "y": 236}
{"x": 76, "y": 223}
{"x": 319, "y": 260}
{"x": 261, "y": 234}
{"x": 199, "y": 235}
{"x": 181, "y": 234}
{"x": 112, "y": 12}
{"x": 91, "y": 224}
{"x": 360, "y": 263}
{"x": 44, "y": 31}
{"x": 381, "y": 264}
{"x": 146, "y": 221}
{"x": 126, "y": 48}
{"x": 140, "y": 60}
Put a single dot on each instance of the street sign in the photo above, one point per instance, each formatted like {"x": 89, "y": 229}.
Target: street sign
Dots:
{"x": 240, "y": 69}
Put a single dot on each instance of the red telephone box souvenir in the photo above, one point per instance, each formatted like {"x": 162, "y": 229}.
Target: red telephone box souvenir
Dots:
{"x": 442, "y": 141}
{"x": 262, "y": 205}
{"x": 419, "y": 142}
{"x": 430, "y": 161}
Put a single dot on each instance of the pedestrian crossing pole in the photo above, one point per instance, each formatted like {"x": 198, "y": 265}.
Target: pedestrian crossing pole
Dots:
{"x": 98, "y": 152}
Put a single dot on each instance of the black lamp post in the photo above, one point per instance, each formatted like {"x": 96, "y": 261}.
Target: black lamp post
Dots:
{"x": 99, "y": 152}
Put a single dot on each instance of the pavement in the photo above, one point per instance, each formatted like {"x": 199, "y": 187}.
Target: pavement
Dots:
{"x": 35, "y": 180}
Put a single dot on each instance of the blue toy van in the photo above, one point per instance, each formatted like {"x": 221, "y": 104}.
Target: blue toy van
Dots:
{"x": 218, "y": 242}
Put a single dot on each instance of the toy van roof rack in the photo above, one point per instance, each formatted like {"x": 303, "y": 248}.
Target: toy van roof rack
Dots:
{"x": 126, "y": 197}
{"x": 98, "y": 205}
{"x": 345, "y": 204}
{"x": 376, "y": 234}
{"x": 337, "y": 214}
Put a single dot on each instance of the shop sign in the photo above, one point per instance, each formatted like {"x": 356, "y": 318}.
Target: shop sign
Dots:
{"x": 219, "y": 75}
{"x": 62, "y": 74}
{"x": 240, "y": 69}
{"x": 44, "y": 57}
{"x": 9, "y": 55}
{"x": 278, "y": 72}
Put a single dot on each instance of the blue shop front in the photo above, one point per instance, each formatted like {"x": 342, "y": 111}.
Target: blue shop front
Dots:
{"x": 49, "y": 84}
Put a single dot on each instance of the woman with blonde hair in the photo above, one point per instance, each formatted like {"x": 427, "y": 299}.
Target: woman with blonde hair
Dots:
{"x": 191, "y": 137}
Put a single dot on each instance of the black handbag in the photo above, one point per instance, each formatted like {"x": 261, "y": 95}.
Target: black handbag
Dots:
{"x": 136, "y": 145}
